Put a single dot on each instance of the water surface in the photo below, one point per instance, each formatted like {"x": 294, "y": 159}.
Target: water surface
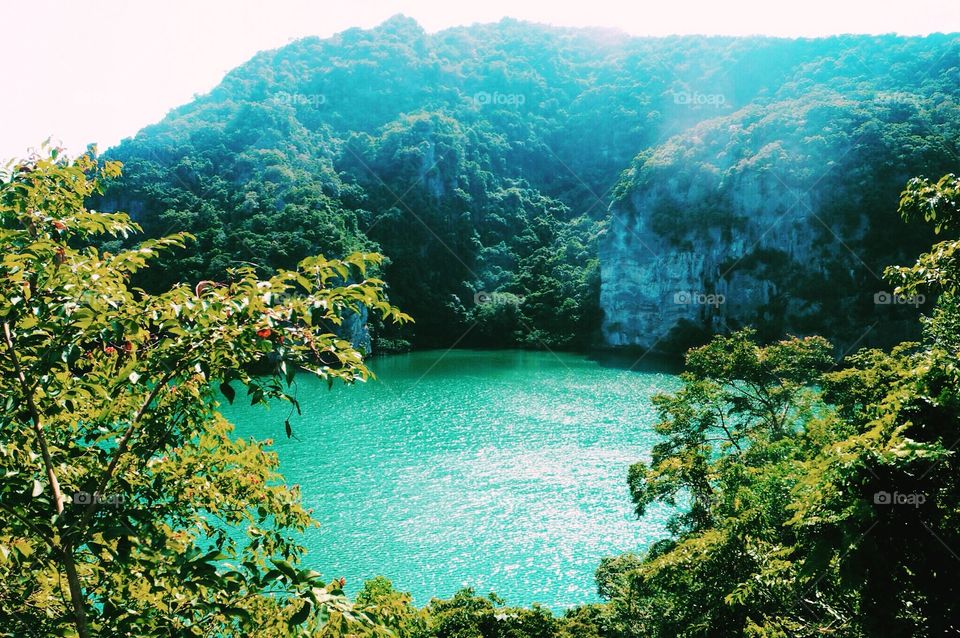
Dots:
{"x": 504, "y": 471}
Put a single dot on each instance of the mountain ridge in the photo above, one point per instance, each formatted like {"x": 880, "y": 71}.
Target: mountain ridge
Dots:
{"x": 485, "y": 159}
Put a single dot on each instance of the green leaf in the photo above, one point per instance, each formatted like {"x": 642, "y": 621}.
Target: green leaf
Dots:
{"x": 301, "y": 614}
{"x": 286, "y": 569}
{"x": 228, "y": 391}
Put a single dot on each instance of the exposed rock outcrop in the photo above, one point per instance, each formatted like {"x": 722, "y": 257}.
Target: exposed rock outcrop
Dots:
{"x": 743, "y": 221}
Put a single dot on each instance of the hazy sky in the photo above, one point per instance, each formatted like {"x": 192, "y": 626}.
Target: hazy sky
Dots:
{"x": 98, "y": 70}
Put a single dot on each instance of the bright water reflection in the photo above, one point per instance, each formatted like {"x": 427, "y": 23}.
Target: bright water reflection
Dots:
{"x": 504, "y": 471}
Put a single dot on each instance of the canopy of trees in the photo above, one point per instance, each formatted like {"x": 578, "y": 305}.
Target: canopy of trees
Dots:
{"x": 483, "y": 159}
{"x": 127, "y": 506}
{"x": 813, "y": 496}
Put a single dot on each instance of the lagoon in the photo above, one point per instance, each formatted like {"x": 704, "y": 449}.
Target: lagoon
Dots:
{"x": 503, "y": 471}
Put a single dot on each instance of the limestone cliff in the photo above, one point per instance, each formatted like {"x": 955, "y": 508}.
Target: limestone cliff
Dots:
{"x": 768, "y": 217}
{"x": 355, "y": 329}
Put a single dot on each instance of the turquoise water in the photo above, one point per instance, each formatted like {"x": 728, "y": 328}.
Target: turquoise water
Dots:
{"x": 504, "y": 471}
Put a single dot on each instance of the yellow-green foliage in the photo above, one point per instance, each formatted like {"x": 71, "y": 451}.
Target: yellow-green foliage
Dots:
{"x": 127, "y": 506}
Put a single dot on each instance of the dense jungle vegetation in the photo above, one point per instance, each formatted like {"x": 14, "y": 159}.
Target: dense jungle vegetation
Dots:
{"x": 406, "y": 178}
{"x": 483, "y": 160}
{"x": 813, "y": 496}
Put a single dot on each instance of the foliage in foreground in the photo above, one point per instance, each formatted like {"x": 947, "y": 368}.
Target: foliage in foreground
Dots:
{"x": 815, "y": 499}
{"x": 128, "y": 507}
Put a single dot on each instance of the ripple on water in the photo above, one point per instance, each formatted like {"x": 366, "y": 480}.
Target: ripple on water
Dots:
{"x": 504, "y": 471}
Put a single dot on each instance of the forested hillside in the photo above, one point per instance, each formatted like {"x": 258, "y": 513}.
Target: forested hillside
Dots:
{"x": 808, "y": 496}
{"x": 484, "y": 159}
{"x": 788, "y": 208}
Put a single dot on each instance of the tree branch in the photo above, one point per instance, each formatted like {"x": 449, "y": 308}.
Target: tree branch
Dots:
{"x": 36, "y": 419}
{"x": 723, "y": 424}
{"x": 73, "y": 579}
{"x": 122, "y": 448}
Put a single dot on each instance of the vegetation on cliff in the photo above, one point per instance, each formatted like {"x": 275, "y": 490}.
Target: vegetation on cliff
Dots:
{"x": 481, "y": 161}
{"x": 812, "y": 497}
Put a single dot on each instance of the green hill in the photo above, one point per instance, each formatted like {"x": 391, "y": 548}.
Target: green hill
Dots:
{"x": 485, "y": 159}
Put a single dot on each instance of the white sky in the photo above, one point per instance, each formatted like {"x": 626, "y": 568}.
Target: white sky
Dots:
{"x": 99, "y": 70}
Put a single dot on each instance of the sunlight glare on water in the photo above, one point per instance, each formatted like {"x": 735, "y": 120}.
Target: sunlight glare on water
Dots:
{"x": 504, "y": 471}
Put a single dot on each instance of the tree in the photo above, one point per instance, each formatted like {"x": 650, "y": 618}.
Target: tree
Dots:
{"x": 467, "y": 615}
{"x": 129, "y": 508}
{"x": 812, "y": 498}
{"x": 730, "y": 435}
{"x": 392, "y": 608}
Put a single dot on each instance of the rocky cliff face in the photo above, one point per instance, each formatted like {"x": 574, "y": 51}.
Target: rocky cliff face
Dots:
{"x": 742, "y": 221}
{"x": 355, "y": 330}
{"x": 652, "y": 284}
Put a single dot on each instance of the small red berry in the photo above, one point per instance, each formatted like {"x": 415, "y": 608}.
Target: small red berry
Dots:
{"x": 127, "y": 347}
{"x": 110, "y": 350}
{"x": 264, "y": 333}
{"x": 59, "y": 225}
